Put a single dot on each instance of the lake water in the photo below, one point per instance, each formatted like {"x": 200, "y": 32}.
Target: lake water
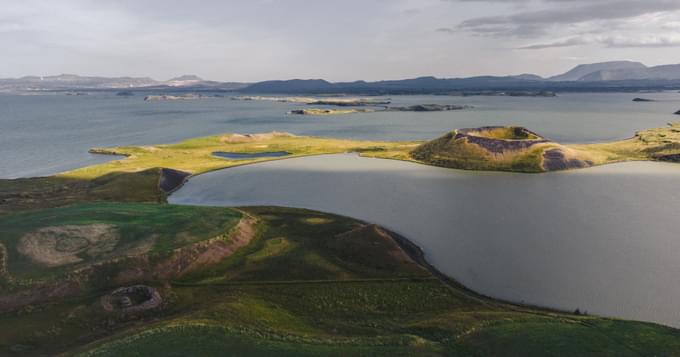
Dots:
{"x": 46, "y": 134}
{"x": 603, "y": 239}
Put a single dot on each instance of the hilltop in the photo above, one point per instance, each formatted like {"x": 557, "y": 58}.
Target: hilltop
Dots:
{"x": 619, "y": 71}
{"x": 498, "y": 148}
{"x": 518, "y": 149}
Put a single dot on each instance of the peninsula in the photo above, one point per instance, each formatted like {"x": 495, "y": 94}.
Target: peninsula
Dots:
{"x": 136, "y": 177}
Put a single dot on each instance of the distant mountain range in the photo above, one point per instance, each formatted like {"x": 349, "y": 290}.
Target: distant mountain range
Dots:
{"x": 619, "y": 71}
{"x": 605, "y": 76}
{"x": 72, "y": 82}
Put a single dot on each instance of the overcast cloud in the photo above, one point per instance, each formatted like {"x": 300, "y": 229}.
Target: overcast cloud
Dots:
{"x": 252, "y": 40}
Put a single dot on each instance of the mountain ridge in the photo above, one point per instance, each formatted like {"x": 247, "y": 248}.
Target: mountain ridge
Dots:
{"x": 613, "y": 75}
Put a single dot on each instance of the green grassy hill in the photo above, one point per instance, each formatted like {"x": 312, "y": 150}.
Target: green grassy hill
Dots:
{"x": 497, "y": 149}
{"x": 307, "y": 283}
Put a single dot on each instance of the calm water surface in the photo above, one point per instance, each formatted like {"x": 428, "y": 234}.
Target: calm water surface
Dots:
{"x": 46, "y": 134}
{"x": 604, "y": 239}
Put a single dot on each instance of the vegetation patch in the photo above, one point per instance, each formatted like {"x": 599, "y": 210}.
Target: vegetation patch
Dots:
{"x": 40, "y": 243}
{"x": 502, "y": 133}
{"x": 317, "y": 220}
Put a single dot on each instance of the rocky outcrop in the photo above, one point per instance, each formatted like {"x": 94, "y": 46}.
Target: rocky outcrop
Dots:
{"x": 321, "y": 111}
{"x": 556, "y": 159}
{"x": 350, "y": 103}
{"x": 171, "y": 180}
{"x": 131, "y": 299}
{"x": 520, "y": 138}
{"x": 669, "y": 158}
{"x": 498, "y": 148}
{"x": 428, "y": 108}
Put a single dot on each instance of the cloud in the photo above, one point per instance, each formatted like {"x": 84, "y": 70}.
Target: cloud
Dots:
{"x": 247, "y": 40}
{"x": 446, "y": 30}
{"x": 645, "y": 42}
{"x": 564, "y": 43}
{"x": 611, "y": 42}
{"x": 567, "y": 13}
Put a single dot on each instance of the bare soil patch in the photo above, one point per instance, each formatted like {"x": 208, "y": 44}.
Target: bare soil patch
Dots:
{"x": 63, "y": 245}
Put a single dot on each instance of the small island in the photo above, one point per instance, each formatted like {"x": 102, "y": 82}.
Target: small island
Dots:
{"x": 356, "y": 105}
{"x": 331, "y": 101}
{"x": 164, "y": 97}
{"x": 500, "y": 93}
{"x": 643, "y": 100}
{"x": 428, "y": 108}
{"x": 189, "y": 96}
{"x": 320, "y": 111}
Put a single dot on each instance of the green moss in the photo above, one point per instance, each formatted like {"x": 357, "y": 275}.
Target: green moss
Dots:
{"x": 207, "y": 340}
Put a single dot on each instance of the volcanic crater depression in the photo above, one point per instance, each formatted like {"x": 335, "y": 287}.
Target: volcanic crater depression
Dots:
{"x": 503, "y": 148}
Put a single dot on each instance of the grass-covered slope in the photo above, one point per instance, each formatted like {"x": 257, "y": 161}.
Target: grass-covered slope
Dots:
{"x": 61, "y": 253}
{"x": 659, "y": 144}
{"x": 53, "y": 191}
{"x": 310, "y": 283}
{"x": 520, "y": 150}
{"x": 41, "y": 243}
{"x": 497, "y": 149}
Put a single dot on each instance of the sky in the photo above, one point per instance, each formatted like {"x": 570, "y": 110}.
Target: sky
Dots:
{"x": 338, "y": 40}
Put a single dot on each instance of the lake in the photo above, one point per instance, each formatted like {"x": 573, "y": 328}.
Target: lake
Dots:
{"x": 605, "y": 240}
{"x": 46, "y": 134}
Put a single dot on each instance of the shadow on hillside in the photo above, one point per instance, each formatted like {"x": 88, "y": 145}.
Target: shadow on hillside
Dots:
{"x": 54, "y": 191}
